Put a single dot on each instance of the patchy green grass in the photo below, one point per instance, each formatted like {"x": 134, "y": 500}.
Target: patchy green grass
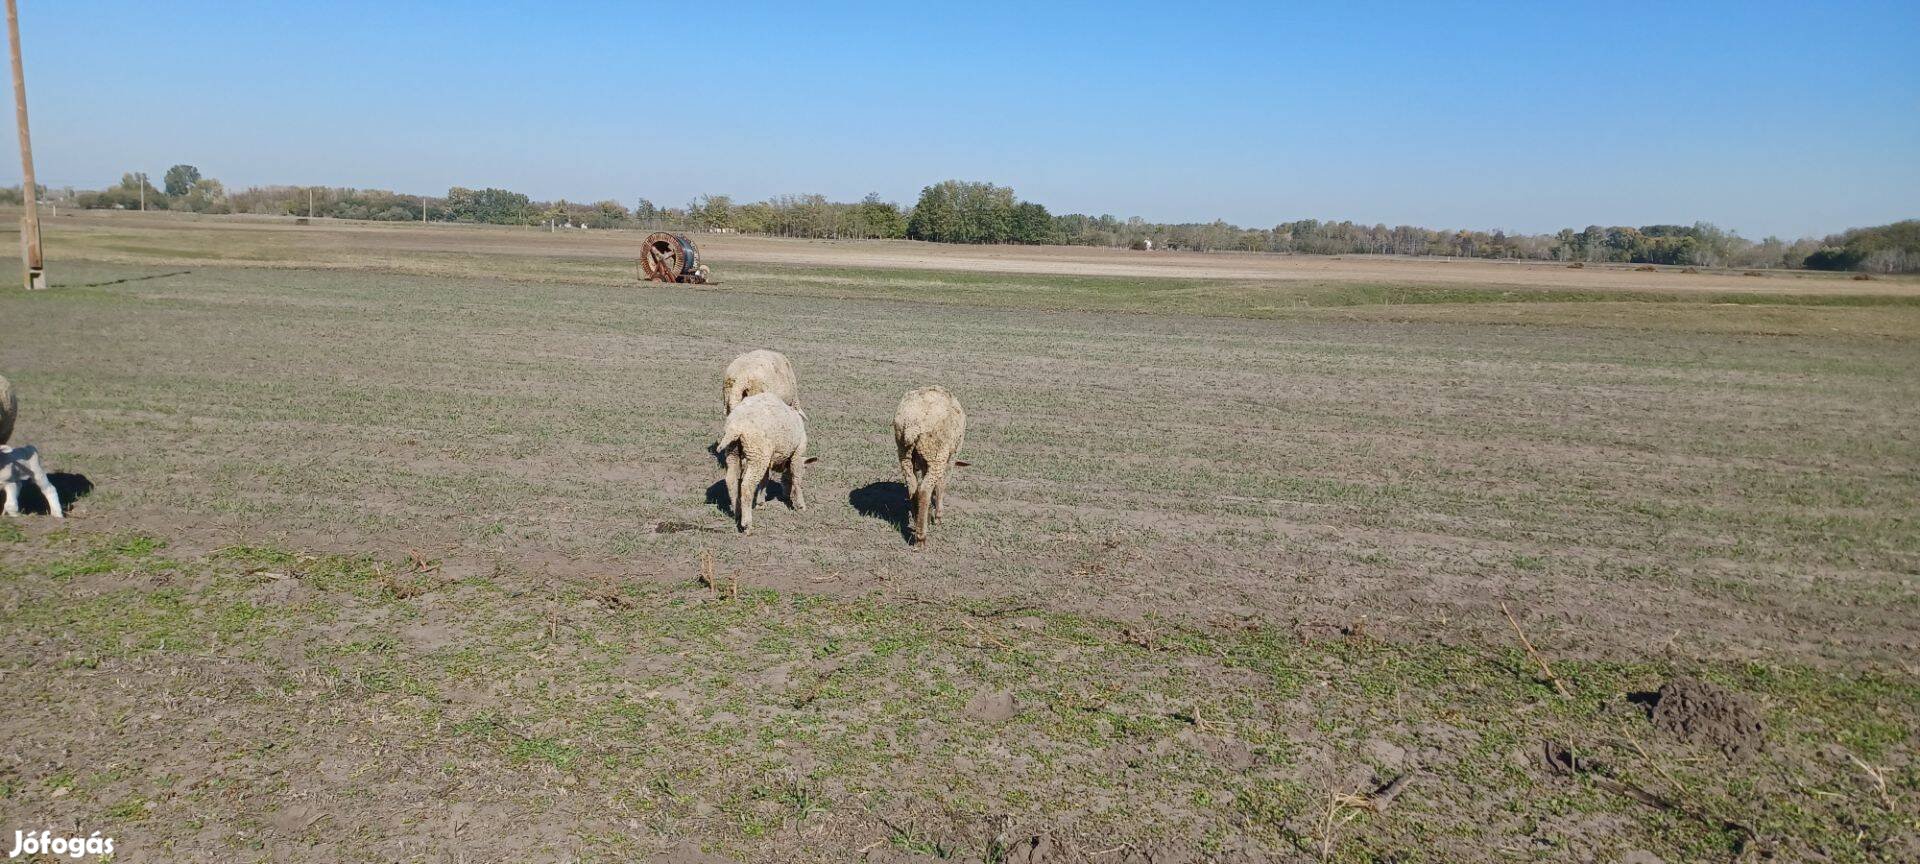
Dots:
{"x": 776, "y": 721}
{"x": 1214, "y": 296}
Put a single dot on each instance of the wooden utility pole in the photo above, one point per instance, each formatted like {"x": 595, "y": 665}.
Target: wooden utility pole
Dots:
{"x": 34, "y": 269}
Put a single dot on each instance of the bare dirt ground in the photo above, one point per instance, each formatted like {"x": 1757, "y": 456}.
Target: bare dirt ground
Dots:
{"x": 419, "y": 511}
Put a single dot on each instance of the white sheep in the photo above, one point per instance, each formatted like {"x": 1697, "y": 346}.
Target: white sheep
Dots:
{"x": 19, "y": 465}
{"x": 9, "y": 409}
{"x": 763, "y": 433}
{"x": 928, "y": 429}
{"x": 759, "y": 371}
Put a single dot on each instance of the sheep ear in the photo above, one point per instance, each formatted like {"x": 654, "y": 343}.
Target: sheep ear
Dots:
{"x": 961, "y": 463}
{"x": 809, "y": 460}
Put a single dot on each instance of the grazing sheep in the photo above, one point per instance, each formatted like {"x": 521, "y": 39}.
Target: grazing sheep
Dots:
{"x": 763, "y": 433}
{"x": 759, "y": 371}
{"x": 928, "y": 430}
{"x": 19, "y": 465}
{"x": 9, "y": 409}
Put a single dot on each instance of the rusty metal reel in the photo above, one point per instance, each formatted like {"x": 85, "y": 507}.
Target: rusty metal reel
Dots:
{"x": 669, "y": 257}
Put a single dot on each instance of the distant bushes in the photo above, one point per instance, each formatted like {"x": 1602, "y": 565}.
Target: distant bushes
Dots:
{"x": 1835, "y": 259}
{"x": 1893, "y": 248}
{"x": 956, "y": 211}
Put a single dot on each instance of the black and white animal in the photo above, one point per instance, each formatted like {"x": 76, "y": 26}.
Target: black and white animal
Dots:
{"x": 21, "y": 465}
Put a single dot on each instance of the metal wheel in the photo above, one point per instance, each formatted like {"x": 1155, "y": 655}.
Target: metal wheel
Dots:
{"x": 671, "y": 257}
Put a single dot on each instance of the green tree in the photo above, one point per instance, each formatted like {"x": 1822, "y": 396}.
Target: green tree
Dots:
{"x": 712, "y": 211}
{"x": 882, "y": 219}
{"x": 608, "y": 214}
{"x": 1031, "y": 224}
{"x": 204, "y": 195}
{"x": 1835, "y": 258}
{"x": 180, "y": 180}
{"x": 936, "y": 217}
{"x": 496, "y": 206}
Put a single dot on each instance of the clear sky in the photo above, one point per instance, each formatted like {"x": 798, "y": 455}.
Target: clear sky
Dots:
{"x": 1769, "y": 118}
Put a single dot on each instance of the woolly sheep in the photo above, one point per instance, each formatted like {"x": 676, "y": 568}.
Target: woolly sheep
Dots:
{"x": 759, "y": 371}
{"x": 22, "y": 464}
{"x": 928, "y": 430}
{"x": 763, "y": 433}
{"x": 9, "y": 409}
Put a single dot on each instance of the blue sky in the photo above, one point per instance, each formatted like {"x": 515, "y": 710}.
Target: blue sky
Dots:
{"x": 1769, "y": 118}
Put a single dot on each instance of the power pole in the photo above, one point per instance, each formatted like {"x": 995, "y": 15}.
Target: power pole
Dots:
{"x": 309, "y": 202}
{"x": 33, "y": 269}
{"x": 143, "y": 183}
{"x": 423, "y": 209}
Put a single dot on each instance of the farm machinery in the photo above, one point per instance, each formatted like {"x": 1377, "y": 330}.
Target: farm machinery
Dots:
{"x": 672, "y": 257}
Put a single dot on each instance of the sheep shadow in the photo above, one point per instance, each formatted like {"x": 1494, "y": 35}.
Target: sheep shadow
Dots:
{"x": 885, "y": 500}
{"x": 71, "y": 487}
{"x": 770, "y": 491}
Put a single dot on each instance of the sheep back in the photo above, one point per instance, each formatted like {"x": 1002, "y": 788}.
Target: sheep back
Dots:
{"x": 931, "y": 424}
{"x": 766, "y": 428}
{"x": 759, "y": 371}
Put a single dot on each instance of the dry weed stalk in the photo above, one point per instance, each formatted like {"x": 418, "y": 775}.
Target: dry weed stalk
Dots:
{"x": 1528, "y": 644}
{"x": 1879, "y": 779}
{"x": 710, "y": 578}
{"x": 399, "y": 590}
{"x": 1337, "y": 802}
{"x": 706, "y": 573}
{"x": 1657, "y": 767}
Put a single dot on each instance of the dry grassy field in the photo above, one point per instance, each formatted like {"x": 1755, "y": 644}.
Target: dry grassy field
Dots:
{"x": 386, "y": 543}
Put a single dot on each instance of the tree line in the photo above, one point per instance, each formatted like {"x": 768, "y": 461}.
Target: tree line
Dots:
{"x": 955, "y": 211}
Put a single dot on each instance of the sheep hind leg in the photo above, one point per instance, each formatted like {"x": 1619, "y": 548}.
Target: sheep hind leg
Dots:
{"x": 733, "y": 479}
{"x": 908, "y": 480}
{"x": 795, "y": 497}
{"x": 755, "y": 472}
{"x": 922, "y": 502}
{"x": 906, "y": 471}
{"x": 936, "y": 481}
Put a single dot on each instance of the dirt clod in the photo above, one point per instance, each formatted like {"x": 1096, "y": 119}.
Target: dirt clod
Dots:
{"x": 691, "y": 853}
{"x": 1034, "y": 850}
{"x": 993, "y": 707}
{"x": 1703, "y": 713}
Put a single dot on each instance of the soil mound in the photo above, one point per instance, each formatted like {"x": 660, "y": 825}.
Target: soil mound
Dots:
{"x": 1696, "y": 711}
